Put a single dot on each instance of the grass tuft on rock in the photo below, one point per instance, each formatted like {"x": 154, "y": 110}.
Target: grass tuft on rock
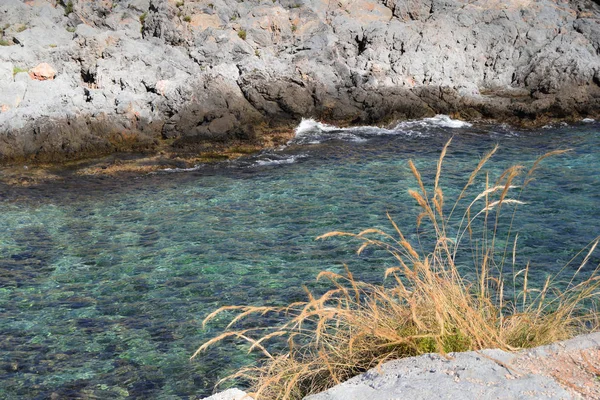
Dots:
{"x": 17, "y": 70}
{"x": 432, "y": 301}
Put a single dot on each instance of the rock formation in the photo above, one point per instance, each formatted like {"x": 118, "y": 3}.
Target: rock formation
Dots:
{"x": 133, "y": 74}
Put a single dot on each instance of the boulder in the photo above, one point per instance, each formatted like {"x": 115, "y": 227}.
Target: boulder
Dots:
{"x": 42, "y": 72}
{"x": 221, "y": 126}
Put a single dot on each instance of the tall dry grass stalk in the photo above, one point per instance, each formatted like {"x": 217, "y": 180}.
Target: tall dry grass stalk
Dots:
{"x": 431, "y": 304}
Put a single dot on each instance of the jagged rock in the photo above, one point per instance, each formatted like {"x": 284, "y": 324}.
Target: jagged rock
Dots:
{"x": 215, "y": 70}
{"x": 159, "y": 22}
{"x": 410, "y": 10}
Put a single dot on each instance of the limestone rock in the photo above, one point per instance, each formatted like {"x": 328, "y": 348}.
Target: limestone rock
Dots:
{"x": 230, "y": 394}
{"x": 6, "y": 72}
{"x": 548, "y": 372}
{"x": 214, "y": 70}
{"x": 11, "y": 94}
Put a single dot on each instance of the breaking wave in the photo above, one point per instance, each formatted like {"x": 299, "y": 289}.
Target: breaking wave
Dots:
{"x": 310, "y": 131}
{"x": 275, "y": 159}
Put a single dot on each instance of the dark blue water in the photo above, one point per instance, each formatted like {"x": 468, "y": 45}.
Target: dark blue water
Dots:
{"x": 104, "y": 281}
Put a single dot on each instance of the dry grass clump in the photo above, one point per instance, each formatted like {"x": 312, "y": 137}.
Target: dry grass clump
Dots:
{"x": 432, "y": 304}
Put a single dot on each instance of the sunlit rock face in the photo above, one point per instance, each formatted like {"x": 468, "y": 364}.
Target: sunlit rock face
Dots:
{"x": 218, "y": 70}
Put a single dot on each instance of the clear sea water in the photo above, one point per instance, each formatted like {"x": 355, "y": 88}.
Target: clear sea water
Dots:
{"x": 104, "y": 281}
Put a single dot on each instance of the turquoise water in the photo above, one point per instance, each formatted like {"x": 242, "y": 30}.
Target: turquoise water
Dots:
{"x": 104, "y": 281}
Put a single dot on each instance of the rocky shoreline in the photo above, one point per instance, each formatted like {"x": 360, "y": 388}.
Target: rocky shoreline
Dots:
{"x": 82, "y": 79}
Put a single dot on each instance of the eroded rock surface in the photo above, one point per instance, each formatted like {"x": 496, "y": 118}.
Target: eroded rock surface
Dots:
{"x": 565, "y": 370}
{"x": 131, "y": 74}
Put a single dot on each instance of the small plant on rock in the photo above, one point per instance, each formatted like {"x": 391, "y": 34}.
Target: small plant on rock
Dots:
{"x": 17, "y": 70}
{"x": 187, "y": 18}
{"x": 242, "y": 34}
{"x": 68, "y": 7}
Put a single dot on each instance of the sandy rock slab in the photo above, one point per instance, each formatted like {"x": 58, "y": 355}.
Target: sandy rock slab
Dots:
{"x": 230, "y": 394}
{"x": 565, "y": 370}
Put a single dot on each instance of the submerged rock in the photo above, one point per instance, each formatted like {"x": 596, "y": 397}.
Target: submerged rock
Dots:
{"x": 206, "y": 71}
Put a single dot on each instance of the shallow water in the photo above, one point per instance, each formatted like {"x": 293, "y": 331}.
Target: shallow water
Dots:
{"x": 104, "y": 281}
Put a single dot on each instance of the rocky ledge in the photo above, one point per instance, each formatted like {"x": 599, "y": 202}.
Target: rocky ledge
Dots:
{"x": 565, "y": 370}
{"x": 82, "y": 78}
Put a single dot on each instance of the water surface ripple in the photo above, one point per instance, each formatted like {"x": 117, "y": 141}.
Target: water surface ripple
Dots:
{"x": 104, "y": 281}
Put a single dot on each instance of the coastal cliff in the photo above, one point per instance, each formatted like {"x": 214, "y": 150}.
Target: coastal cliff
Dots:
{"x": 84, "y": 78}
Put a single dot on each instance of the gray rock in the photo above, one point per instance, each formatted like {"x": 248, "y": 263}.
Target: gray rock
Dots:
{"x": 230, "y": 394}
{"x": 12, "y": 93}
{"x": 42, "y": 37}
{"x": 488, "y": 374}
{"x": 189, "y": 69}
{"x": 159, "y": 23}
{"x": 13, "y": 12}
{"x": 139, "y": 5}
{"x": 6, "y": 72}
{"x": 22, "y": 77}
{"x": 465, "y": 376}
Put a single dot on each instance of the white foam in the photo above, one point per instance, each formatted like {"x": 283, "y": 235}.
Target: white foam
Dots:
{"x": 310, "y": 125}
{"x": 279, "y": 161}
{"x": 447, "y": 122}
{"x": 310, "y": 131}
{"x": 439, "y": 120}
{"x": 194, "y": 168}
{"x": 588, "y": 120}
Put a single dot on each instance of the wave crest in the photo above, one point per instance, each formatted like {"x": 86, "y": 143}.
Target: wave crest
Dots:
{"x": 310, "y": 131}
